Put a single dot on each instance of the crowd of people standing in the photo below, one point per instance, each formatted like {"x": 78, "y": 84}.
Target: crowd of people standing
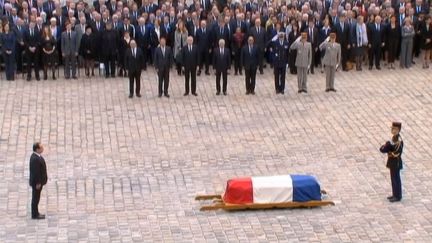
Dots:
{"x": 43, "y": 34}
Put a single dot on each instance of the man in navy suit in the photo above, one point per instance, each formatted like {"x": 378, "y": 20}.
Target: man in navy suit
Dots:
{"x": 342, "y": 37}
{"x": 376, "y": 42}
{"x": 312, "y": 31}
{"x": 221, "y": 62}
{"x": 190, "y": 54}
{"x": 280, "y": 50}
{"x": 133, "y": 62}
{"x": 249, "y": 60}
{"x": 32, "y": 41}
{"x": 204, "y": 47}
{"x": 163, "y": 60}
{"x": 143, "y": 40}
{"x": 38, "y": 178}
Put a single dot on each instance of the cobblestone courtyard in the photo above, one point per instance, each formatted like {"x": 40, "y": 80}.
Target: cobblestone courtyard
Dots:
{"x": 127, "y": 170}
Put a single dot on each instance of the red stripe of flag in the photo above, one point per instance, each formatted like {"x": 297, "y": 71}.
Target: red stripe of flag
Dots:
{"x": 239, "y": 191}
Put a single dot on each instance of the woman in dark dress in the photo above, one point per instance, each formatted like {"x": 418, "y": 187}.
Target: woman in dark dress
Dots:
{"x": 48, "y": 52}
{"x": 124, "y": 45}
{"x": 293, "y": 35}
{"x": 426, "y": 33}
{"x": 237, "y": 44}
{"x": 393, "y": 35}
{"x": 88, "y": 50}
{"x": 7, "y": 43}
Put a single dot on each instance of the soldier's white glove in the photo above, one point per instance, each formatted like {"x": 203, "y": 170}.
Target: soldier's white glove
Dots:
{"x": 327, "y": 39}
{"x": 337, "y": 66}
{"x": 298, "y": 39}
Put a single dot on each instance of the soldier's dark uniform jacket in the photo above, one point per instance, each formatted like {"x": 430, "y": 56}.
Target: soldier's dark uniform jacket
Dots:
{"x": 394, "y": 150}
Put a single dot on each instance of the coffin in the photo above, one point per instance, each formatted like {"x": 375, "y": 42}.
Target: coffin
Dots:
{"x": 272, "y": 189}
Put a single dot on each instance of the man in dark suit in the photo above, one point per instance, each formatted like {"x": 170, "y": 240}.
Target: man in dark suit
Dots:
{"x": 376, "y": 36}
{"x": 163, "y": 60}
{"x": 133, "y": 60}
{"x": 220, "y": 32}
{"x": 110, "y": 39}
{"x": 20, "y": 31}
{"x": 313, "y": 39}
{"x": 394, "y": 149}
{"x": 143, "y": 40}
{"x": 249, "y": 60}
{"x": 259, "y": 35}
{"x": 32, "y": 41}
{"x": 38, "y": 178}
{"x": 190, "y": 55}
{"x": 221, "y": 62}
{"x": 280, "y": 49}
{"x": 342, "y": 37}
{"x": 204, "y": 48}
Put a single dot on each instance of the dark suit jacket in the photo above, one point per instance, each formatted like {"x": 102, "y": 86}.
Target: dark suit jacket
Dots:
{"x": 203, "y": 40}
{"x": 260, "y": 39}
{"x": 376, "y": 37}
{"x": 323, "y": 34}
{"x": 315, "y": 36}
{"x": 163, "y": 62}
{"x": 393, "y": 162}
{"x": 30, "y": 41}
{"x": 281, "y": 53}
{"x": 249, "y": 60}
{"x": 110, "y": 42}
{"x": 38, "y": 172}
{"x": 221, "y": 62}
{"x": 191, "y": 59}
{"x": 342, "y": 37}
{"x": 132, "y": 63}
{"x": 217, "y": 35}
{"x": 143, "y": 39}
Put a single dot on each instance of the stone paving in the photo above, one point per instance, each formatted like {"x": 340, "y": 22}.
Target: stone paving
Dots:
{"x": 127, "y": 170}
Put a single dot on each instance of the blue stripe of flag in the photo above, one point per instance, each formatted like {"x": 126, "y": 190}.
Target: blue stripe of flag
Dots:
{"x": 305, "y": 188}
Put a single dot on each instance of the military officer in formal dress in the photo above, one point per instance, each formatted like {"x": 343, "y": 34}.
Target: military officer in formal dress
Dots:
{"x": 303, "y": 60}
{"x": 394, "y": 149}
{"x": 331, "y": 60}
{"x": 280, "y": 50}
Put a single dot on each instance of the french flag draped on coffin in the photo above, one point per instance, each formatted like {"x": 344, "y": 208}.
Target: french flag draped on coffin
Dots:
{"x": 272, "y": 189}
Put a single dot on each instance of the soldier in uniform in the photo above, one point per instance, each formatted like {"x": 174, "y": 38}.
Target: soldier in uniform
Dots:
{"x": 303, "y": 60}
{"x": 280, "y": 50}
{"x": 331, "y": 60}
{"x": 394, "y": 150}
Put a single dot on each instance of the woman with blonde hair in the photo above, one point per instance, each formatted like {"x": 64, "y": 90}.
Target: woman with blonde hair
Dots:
{"x": 180, "y": 37}
{"x": 406, "y": 52}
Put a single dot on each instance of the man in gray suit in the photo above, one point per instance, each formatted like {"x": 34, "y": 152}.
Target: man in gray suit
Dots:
{"x": 331, "y": 60}
{"x": 303, "y": 60}
{"x": 69, "y": 46}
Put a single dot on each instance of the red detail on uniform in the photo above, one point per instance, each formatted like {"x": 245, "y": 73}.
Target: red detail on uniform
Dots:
{"x": 239, "y": 191}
